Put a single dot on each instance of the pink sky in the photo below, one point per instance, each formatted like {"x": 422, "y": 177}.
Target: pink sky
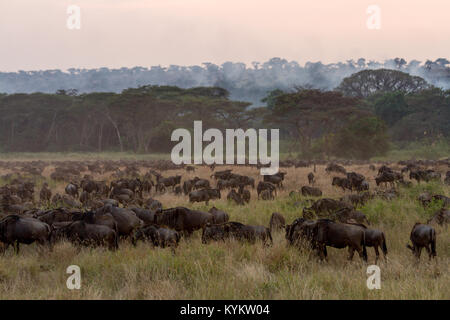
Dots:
{"x": 127, "y": 33}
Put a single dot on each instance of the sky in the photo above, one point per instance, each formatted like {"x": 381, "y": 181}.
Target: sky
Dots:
{"x": 127, "y": 33}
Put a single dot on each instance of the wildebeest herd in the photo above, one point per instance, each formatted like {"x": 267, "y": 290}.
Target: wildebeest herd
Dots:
{"x": 123, "y": 206}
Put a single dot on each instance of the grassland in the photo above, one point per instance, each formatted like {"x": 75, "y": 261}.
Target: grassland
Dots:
{"x": 234, "y": 270}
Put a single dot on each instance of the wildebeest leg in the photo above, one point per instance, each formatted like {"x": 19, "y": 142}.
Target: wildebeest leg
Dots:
{"x": 377, "y": 253}
{"x": 418, "y": 252}
{"x": 351, "y": 252}
{"x": 429, "y": 252}
{"x": 17, "y": 247}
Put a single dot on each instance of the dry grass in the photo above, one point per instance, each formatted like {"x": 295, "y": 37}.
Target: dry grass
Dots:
{"x": 233, "y": 270}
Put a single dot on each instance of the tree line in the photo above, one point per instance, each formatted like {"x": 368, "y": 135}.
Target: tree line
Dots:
{"x": 359, "y": 119}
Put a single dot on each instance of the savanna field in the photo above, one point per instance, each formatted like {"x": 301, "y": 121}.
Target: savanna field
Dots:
{"x": 236, "y": 270}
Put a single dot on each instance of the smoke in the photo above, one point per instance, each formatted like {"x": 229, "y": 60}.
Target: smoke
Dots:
{"x": 245, "y": 83}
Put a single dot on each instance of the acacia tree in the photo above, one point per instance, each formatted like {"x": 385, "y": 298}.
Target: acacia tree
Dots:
{"x": 312, "y": 113}
{"x": 367, "y": 82}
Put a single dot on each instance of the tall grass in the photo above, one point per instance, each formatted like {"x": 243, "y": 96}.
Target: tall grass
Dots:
{"x": 233, "y": 270}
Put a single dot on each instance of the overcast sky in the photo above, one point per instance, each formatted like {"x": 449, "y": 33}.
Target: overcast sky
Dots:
{"x": 127, "y": 33}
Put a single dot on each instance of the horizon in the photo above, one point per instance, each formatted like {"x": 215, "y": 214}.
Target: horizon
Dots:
{"x": 161, "y": 33}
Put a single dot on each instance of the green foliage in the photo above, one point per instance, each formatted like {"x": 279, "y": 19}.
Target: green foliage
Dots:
{"x": 361, "y": 139}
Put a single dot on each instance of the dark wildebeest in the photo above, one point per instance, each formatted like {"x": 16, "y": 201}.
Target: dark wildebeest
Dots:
{"x": 276, "y": 222}
{"x": 245, "y": 194}
{"x": 45, "y": 194}
{"x": 187, "y": 186}
{"x": 264, "y": 185}
{"x": 183, "y": 219}
{"x": 300, "y": 232}
{"x": 267, "y": 195}
{"x": 126, "y": 219}
{"x": 423, "y": 235}
{"x": 201, "y": 184}
{"x": 347, "y": 215}
{"x": 169, "y": 181}
{"x": 356, "y": 199}
{"x": 355, "y": 179}
{"x": 275, "y": 179}
{"x": 56, "y": 215}
{"x": 376, "y": 239}
{"x": 72, "y": 190}
{"x": 146, "y": 215}
{"x": 160, "y": 237}
{"x": 86, "y": 234}
{"x": 324, "y": 207}
{"x": 204, "y": 195}
{"x": 15, "y": 230}
{"x": 153, "y": 204}
{"x": 333, "y": 167}
{"x": 215, "y": 232}
{"x": 236, "y": 197}
{"x": 249, "y": 233}
{"x": 343, "y": 183}
{"x": 92, "y": 217}
{"x": 338, "y": 235}
{"x": 311, "y": 191}
{"x": 219, "y": 215}
{"x": 311, "y": 179}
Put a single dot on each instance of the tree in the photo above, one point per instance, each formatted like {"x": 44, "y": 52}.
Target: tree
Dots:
{"x": 367, "y": 82}
{"x": 311, "y": 113}
{"x": 361, "y": 139}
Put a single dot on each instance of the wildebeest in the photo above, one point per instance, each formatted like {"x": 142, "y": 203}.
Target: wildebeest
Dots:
{"x": 204, "y": 195}
{"x": 169, "y": 181}
{"x": 15, "y": 230}
{"x": 267, "y": 195}
{"x": 311, "y": 191}
{"x": 45, "y": 194}
{"x": 161, "y": 237}
{"x": 333, "y": 167}
{"x": 338, "y": 235}
{"x": 219, "y": 216}
{"x": 183, "y": 219}
{"x": 343, "y": 183}
{"x": 126, "y": 219}
{"x": 264, "y": 185}
{"x": 245, "y": 194}
{"x": 93, "y": 217}
{"x": 146, "y": 215}
{"x": 249, "y": 233}
{"x": 215, "y": 232}
{"x": 72, "y": 190}
{"x": 236, "y": 197}
{"x": 324, "y": 207}
{"x": 423, "y": 236}
{"x": 376, "y": 239}
{"x": 311, "y": 179}
{"x": 86, "y": 234}
{"x": 347, "y": 215}
{"x": 277, "y": 221}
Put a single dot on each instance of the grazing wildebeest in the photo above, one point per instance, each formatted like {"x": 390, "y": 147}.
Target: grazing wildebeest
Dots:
{"x": 276, "y": 222}
{"x": 300, "y": 231}
{"x": 245, "y": 194}
{"x": 219, "y": 215}
{"x": 338, "y": 235}
{"x": 423, "y": 236}
{"x": 86, "y": 234}
{"x": 215, "y": 232}
{"x": 93, "y": 217}
{"x": 333, "y": 167}
{"x": 356, "y": 199}
{"x": 160, "y": 237}
{"x": 169, "y": 181}
{"x": 347, "y": 215}
{"x": 343, "y": 183}
{"x": 183, "y": 219}
{"x": 146, "y": 215}
{"x": 311, "y": 191}
{"x": 355, "y": 179}
{"x": 126, "y": 219}
{"x": 236, "y": 197}
{"x": 15, "y": 230}
{"x": 324, "y": 207}
{"x": 264, "y": 185}
{"x": 204, "y": 195}
{"x": 249, "y": 233}
{"x": 376, "y": 239}
{"x": 274, "y": 179}
{"x": 311, "y": 179}
{"x": 201, "y": 184}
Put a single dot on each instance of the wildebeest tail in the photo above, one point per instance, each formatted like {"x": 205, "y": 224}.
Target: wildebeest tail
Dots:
{"x": 383, "y": 246}
{"x": 433, "y": 242}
